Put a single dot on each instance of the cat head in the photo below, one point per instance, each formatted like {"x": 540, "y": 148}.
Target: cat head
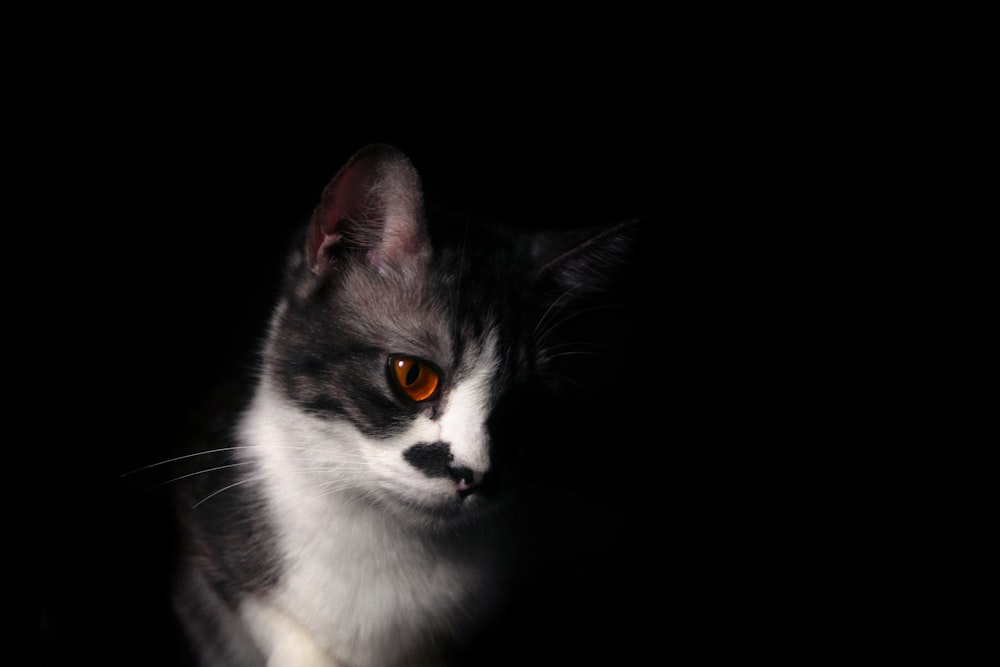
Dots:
{"x": 395, "y": 341}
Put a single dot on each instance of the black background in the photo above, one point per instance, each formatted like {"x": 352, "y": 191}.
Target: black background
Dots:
{"x": 761, "y": 495}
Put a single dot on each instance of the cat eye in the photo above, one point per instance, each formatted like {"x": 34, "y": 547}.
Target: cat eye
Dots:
{"x": 416, "y": 378}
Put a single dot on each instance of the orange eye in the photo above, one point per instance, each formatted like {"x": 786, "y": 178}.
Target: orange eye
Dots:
{"x": 417, "y": 379}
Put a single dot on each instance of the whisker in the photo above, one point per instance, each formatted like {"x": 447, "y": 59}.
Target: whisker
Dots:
{"x": 599, "y": 347}
{"x": 563, "y": 378}
{"x": 554, "y": 326}
{"x": 557, "y": 302}
{"x": 204, "y": 453}
{"x": 569, "y": 353}
{"x": 331, "y": 467}
{"x": 554, "y": 304}
{"x": 199, "y": 472}
{"x": 257, "y": 478}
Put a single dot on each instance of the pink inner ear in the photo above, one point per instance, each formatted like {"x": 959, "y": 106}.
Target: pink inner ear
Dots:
{"x": 375, "y": 202}
{"x": 343, "y": 200}
{"x": 321, "y": 235}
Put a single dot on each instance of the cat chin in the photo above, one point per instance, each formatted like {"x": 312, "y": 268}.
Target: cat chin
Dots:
{"x": 443, "y": 512}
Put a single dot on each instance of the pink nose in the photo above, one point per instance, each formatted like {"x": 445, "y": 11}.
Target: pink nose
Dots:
{"x": 465, "y": 479}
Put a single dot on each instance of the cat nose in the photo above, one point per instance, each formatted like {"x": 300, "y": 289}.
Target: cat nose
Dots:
{"x": 466, "y": 479}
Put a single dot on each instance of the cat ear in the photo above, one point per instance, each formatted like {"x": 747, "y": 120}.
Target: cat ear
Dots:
{"x": 583, "y": 260}
{"x": 373, "y": 207}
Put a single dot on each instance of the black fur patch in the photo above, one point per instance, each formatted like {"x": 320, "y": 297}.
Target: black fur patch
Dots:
{"x": 430, "y": 458}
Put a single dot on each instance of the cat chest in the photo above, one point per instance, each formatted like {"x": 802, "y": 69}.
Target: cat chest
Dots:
{"x": 365, "y": 593}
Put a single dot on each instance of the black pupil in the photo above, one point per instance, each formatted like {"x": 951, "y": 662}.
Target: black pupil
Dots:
{"x": 412, "y": 374}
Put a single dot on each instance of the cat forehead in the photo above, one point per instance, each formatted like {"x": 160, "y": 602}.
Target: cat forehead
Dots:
{"x": 419, "y": 313}
{"x": 473, "y": 375}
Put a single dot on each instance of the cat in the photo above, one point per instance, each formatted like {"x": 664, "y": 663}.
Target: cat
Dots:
{"x": 355, "y": 511}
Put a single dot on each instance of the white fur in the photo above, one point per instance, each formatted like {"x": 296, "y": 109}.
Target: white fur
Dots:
{"x": 463, "y": 424}
{"x": 366, "y": 574}
{"x": 285, "y": 642}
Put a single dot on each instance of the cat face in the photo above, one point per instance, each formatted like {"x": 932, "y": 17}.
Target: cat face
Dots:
{"x": 401, "y": 391}
{"x": 389, "y": 351}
